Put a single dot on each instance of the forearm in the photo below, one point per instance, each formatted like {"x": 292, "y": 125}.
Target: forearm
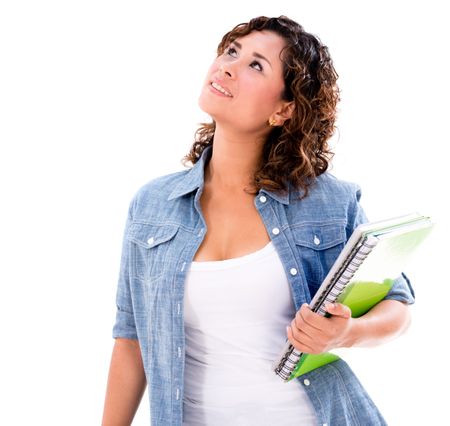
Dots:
{"x": 126, "y": 384}
{"x": 387, "y": 320}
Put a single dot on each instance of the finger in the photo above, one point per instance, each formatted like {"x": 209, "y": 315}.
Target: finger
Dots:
{"x": 313, "y": 338}
{"x": 306, "y": 316}
{"x": 299, "y": 332}
{"x": 299, "y": 344}
{"x": 339, "y": 310}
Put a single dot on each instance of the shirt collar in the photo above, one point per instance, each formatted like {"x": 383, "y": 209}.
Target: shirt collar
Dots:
{"x": 195, "y": 177}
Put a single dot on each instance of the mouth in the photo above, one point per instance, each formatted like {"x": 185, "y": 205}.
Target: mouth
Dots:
{"x": 219, "y": 88}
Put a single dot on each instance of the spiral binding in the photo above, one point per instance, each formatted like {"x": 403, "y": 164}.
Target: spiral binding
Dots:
{"x": 337, "y": 284}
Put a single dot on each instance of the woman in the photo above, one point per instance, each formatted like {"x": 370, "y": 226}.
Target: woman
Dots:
{"x": 219, "y": 259}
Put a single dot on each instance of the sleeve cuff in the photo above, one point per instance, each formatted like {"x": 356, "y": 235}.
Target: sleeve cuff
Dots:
{"x": 402, "y": 290}
{"x": 124, "y": 326}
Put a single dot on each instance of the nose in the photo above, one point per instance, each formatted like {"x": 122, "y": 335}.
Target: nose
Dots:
{"x": 226, "y": 69}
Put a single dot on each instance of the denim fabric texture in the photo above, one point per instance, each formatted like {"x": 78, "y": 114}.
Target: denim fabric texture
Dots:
{"x": 164, "y": 229}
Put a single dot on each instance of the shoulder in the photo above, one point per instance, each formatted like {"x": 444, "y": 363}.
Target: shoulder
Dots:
{"x": 160, "y": 187}
{"x": 329, "y": 200}
{"x": 333, "y": 187}
{"x": 328, "y": 189}
{"x": 152, "y": 198}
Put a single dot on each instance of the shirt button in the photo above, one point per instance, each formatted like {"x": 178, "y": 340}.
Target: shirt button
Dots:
{"x": 275, "y": 231}
{"x": 293, "y": 271}
{"x": 263, "y": 199}
{"x": 150, "y": 241}
{"x": 179, "y": 352}
{"x": 306, "y": 382}
{"x": 316, "y": 240}
{"x": 178, "y": 394}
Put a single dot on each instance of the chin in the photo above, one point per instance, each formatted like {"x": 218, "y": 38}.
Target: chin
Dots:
{"x": 207, "y": 106}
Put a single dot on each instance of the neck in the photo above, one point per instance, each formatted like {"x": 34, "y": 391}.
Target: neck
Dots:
{"x": 234, "y": 160}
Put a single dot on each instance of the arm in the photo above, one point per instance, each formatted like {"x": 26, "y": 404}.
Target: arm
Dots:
{"x": 312, "y": 333}
{"x": 385, "y": 321}
{"x": 126, "y": 383}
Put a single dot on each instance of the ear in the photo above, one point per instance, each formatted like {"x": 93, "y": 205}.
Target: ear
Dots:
{"x": 284, "y": 113}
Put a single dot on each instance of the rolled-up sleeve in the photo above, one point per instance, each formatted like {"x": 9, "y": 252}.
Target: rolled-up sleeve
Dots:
{"x": 402, "y": 290}
{"x": 125, "y": 325}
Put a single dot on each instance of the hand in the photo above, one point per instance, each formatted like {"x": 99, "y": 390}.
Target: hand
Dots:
{"x": 313, "y": 334}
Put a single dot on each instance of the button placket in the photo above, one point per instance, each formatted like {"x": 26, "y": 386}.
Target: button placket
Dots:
{"x": 292, "y": 271}
{"x": 280, "y": 233}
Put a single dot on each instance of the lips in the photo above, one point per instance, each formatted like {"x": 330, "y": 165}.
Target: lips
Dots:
{"x": 219, "y": 87}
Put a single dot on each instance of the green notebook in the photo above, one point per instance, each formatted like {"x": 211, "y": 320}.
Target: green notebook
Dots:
{"x": 362, "y": 275}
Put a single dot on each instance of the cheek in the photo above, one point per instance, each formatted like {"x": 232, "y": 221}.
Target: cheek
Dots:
{"x": 260, "y": 94}
{"x": 257, "y": 86}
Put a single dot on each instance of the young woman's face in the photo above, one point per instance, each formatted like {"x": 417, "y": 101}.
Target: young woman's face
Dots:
{"x": 250, "y": 73}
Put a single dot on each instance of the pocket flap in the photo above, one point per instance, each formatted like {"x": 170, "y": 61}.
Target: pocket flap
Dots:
{"x": 319, "y": 237}
{"x": 149, "y": 236}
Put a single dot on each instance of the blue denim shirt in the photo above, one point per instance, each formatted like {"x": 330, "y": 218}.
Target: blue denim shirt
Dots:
{"x": 164, "y": 229}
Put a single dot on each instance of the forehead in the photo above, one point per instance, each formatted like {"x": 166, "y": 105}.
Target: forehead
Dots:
{"x": 267, "y": 43}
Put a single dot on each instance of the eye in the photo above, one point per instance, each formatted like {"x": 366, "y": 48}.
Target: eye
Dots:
{"x": 259, "y": 65}
{"x": 232, "y": 52}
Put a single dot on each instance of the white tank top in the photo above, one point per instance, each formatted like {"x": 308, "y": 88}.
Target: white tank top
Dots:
{"x": 235, "y": 314}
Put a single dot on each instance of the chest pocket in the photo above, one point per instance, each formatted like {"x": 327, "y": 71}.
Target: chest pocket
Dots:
{"x": 150, "y": 244}
{"x": 318, "y": 246}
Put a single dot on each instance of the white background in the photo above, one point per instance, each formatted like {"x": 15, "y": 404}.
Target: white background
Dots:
{"x": 98, "y": 97}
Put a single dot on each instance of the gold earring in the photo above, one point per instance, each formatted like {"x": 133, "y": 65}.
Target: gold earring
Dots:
{"x": 272, "y": 122}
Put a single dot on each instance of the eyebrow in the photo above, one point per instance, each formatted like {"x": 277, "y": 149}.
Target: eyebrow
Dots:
{"x": 255, "y": 54}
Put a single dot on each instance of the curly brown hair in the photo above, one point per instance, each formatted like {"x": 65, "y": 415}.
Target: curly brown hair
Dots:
{"x": 298, "y": 151}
